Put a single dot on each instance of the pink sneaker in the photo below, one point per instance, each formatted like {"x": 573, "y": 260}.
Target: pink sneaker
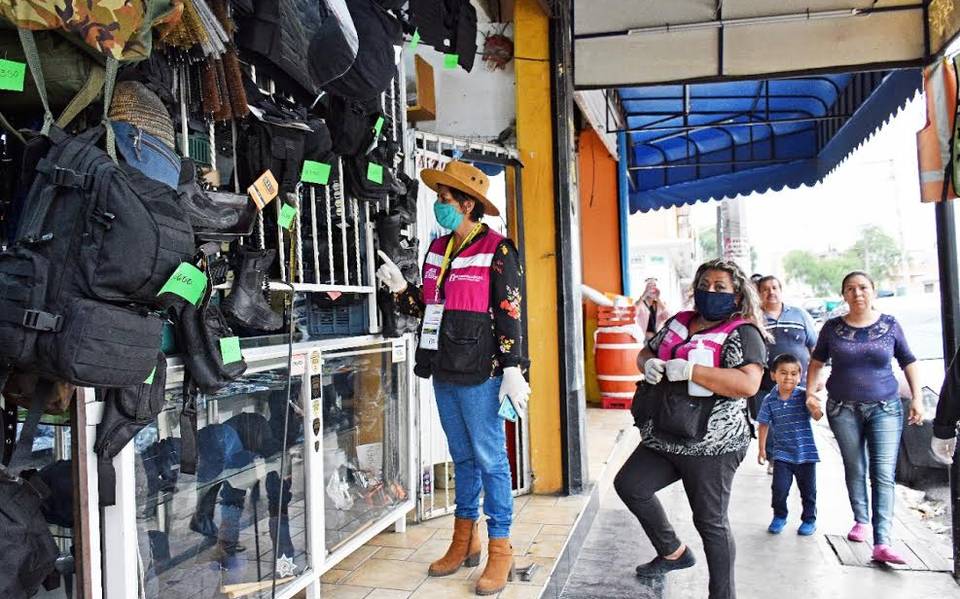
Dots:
{"x": 858, "y": 533}
{"x": 885, "y": 553}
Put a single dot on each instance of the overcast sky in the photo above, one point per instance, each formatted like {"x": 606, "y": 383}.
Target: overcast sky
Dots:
{"x": 877, "y": 184}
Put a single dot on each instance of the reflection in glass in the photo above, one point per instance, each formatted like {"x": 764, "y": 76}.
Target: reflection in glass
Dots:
{"x": 222, "y": 530}
{"x": 365, "y": 445}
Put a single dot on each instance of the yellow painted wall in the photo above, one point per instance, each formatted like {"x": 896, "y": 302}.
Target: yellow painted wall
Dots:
{"x": 535, "y": 143}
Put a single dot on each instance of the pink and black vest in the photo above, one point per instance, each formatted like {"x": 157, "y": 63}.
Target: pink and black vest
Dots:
{"x": 677, "y": 342}
{"x": 467, "y": 345}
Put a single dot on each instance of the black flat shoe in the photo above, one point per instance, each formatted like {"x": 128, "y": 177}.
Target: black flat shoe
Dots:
{"x": 659, "y": 566}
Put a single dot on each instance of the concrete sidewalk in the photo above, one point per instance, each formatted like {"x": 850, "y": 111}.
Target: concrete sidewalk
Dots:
{"x": 785, "y": 567}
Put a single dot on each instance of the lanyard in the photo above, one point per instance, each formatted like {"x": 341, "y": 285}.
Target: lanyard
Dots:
{"x": 447, "y": 254}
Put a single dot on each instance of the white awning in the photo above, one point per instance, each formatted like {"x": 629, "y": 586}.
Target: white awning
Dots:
{"x": 635, "y": 42}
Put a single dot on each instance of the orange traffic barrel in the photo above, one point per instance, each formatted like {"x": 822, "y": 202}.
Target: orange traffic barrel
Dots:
{"x": 616, "y": 351}
{"x": 616, "y": 316}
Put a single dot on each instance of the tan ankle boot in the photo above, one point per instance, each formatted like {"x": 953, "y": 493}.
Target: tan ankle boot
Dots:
{"x": 499, "y": 567}
{"x": 464, "y": 549}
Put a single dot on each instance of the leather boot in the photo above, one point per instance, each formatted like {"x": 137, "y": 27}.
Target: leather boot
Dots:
{"x": 464, "y": 549}
{"x": 499, "y": 568}
{"x": 246, "y": 304}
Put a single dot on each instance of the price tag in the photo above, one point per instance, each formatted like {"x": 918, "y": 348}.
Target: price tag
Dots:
{"x": 315, "y": 172}
{"x": 187, "y": 281}
{"x": 375, "y": 172}
{"x": 11, "y": 75}
{"x": 450, "y": 61}
{"x": 415, "y": 40}
{"x": 430, "y": 333}
{"x": 149, "y": 379}
{"x": 399, "y": 350}
{"x": 263, "y": 190}
{"x": 230, "y": 350}
{"x": 286, "y": 216}
{"x": 378, "y": 127}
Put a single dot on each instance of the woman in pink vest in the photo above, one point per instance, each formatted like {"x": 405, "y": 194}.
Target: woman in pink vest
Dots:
{"x": 470, "y": 344}
{"x": 693, "y": 420}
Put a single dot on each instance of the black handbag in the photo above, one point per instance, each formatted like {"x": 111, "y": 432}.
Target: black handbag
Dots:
{"x": 675, "y": 415}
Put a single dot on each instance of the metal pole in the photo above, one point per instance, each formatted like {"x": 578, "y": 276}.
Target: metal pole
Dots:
{"x": 950, "y": 315}
{"x": 573, "y": 409}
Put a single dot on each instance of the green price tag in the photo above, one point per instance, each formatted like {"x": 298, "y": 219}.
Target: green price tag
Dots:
{"x": 415, "y": 40}
{"x": 315, "y": 172}
{"x": 11, "y": 75}
{"x": 378, "y": 127}
{"x": 450, "y": 61}
{"x": 286, "y": 216}
{"x": 230, "y": 349}
{"x": 149, "y": 380}
{"x": 187, "y": 281}
{"x": 375, "y": 172}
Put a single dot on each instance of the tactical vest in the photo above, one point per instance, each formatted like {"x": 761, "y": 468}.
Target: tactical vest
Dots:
{"x": 467, "y": 344}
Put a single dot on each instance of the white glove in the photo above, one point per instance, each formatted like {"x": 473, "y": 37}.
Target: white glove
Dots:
{"x": 516, "y": 387}
{"x": 653, "y": 370}
{"x": 679, "y": 370}
{"x": 390, "y": 275}
{"x": 943, "y": 449}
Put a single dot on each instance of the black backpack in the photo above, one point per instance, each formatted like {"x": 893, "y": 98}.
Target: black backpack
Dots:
{"x": 96, "y": 242}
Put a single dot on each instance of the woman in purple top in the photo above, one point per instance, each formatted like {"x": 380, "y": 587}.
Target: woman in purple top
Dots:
{"x": 864, "y": 407}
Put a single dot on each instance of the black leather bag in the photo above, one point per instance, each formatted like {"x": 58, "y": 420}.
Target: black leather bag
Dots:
{"x": 675, "y": 415}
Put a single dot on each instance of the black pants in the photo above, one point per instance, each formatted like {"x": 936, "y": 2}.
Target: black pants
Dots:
{"x": 707, "y": 481}
{"x": 806, "y": 475}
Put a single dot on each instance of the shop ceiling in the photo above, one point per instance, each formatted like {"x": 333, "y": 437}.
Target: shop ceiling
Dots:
{"x": 718, "y": 98}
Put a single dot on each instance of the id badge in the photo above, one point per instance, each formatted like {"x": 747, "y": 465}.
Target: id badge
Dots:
{"x": 430, "y": 333}
{"x": 507, "y": 411}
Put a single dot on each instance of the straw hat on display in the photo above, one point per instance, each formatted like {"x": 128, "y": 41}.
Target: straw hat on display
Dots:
{"x": 462, "y": 177}
{"x": 135, "y": 104}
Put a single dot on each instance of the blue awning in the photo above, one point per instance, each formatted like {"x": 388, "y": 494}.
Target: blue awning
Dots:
{"x": 690, "y": 143}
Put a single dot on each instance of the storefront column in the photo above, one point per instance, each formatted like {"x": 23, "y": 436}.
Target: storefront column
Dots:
{"x": 535, "y": 144}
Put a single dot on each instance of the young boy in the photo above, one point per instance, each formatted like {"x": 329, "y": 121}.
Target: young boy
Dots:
{"x": 794, "y": 450}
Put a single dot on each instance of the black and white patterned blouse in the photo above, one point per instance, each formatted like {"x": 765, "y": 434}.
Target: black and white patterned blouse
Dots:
{"x": 727, "y": 429}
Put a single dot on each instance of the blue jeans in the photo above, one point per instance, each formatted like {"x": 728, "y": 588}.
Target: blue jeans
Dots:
{"x": 806, "y": 475}
{"x": 478, "y": 445}
{"x": 869, "y": 429}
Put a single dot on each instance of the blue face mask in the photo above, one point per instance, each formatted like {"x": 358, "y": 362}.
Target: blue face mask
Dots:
{"x": 447, "y": 215}
{"x": 715, "y": 305}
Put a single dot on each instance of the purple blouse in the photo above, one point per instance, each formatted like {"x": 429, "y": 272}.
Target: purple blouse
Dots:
{"x": 861, "y": 358}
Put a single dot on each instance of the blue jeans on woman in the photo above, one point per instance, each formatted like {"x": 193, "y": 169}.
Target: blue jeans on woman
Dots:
{"x": 869, "y": 429}
{"x": 470, "y": 418}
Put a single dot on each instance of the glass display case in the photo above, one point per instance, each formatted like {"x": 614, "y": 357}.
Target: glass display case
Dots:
{"x": 297, "y": 466}
{"x": 365, "y": 438}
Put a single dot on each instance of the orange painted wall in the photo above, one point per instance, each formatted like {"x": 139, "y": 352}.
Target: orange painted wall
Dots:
{"x": 599, "y": 235}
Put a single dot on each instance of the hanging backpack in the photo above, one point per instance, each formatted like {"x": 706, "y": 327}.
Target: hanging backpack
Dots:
{"x": 96, "y": 242}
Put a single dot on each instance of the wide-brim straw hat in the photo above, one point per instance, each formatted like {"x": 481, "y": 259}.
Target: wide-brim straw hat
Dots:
{"x": 462, "y": 177}
{"x": 134, "y": 103}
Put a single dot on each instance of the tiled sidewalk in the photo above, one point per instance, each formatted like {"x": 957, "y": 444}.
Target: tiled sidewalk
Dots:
{"x": 394, "y": 565}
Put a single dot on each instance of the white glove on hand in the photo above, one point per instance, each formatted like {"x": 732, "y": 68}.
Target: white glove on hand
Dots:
{"x": 653, "y": 370}
{"x": 943, "y": 449}
{"x": 516, "y": 387}
{"x": 390, "y": 275}
{"x": 679, "y": 370}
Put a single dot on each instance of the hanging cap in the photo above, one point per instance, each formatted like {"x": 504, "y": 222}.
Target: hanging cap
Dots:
{"x": 134, "y": 103}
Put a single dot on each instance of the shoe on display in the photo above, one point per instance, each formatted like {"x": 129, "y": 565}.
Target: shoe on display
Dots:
{"x": 776, "y": 525}
{"x": 246, "y": 303}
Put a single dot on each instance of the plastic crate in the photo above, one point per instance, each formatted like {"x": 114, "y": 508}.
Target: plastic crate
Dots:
{"x": 337, "y": 321}
{"x": 616, "y": 403}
